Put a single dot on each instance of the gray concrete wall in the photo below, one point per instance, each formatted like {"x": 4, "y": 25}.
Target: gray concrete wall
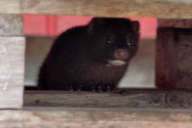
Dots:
{"x": 36, "y": 51}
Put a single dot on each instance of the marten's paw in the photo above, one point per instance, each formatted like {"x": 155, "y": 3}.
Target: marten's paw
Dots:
{"x": 97, "y": 88}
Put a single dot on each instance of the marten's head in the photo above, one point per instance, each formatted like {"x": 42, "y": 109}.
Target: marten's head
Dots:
{"x": 113, "y": 40}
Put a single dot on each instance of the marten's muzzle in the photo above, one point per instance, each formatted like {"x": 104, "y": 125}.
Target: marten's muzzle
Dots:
{"x": 121, "y": 54}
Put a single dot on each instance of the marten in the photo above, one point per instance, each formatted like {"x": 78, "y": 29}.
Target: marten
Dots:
{"x": 93, "y": 57}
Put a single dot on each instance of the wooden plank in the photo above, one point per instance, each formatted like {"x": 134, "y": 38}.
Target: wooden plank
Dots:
{"x": 10, "y": 6}
{"x": 177, "y": 23}
{"x": 94, "y": 118}
{"x": 131, "y": 99}
{"x": 109, "y": 8}
{"x": 174, "y": 51}
{"x": 11, "y": 71}
{"x": 11, "y": 25}
{"x": 165, "y": 58}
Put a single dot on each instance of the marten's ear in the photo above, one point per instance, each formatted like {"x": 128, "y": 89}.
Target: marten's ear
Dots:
{"x": 94, "y": 23}
{"x": 135, "y": 26}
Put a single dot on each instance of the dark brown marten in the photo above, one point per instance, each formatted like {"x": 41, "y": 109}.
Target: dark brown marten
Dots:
{"x": 90, "y": 57}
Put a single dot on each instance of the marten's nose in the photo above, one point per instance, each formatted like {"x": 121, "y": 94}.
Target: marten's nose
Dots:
{"x": 121, "y": 54}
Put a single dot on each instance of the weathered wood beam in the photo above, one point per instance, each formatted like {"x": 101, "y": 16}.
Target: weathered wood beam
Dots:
{"x": 176, "y": 23}
{"x": 173, "y": 58}
{"x": 111, "y": 8}
{"x": 12, "y": 48}
{"x": 94, "y": 118}
{"x": 11, "y": 25}
{"x": 10, "y": 6}
{"x": 11, "y": 71}
{"x": 131, "y": 99}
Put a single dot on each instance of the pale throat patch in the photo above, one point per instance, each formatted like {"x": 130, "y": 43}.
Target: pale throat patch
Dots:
{"x": 116, "y": 63}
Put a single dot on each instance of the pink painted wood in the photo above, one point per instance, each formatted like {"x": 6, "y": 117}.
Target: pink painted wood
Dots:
{"x": 49, "y": 25}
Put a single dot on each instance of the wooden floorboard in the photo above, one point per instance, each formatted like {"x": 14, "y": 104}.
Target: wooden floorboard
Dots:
{"x": 129, "y": 99}
{"x": 49, "y": 117}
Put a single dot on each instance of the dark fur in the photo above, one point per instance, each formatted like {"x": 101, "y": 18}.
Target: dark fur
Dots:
{"x": 78, "y": 57}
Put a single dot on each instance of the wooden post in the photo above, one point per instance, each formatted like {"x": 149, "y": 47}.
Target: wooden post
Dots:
{"x": 12, "y": 47}
{"x": 10, "y": 6}
{"x": 173, "y": 58}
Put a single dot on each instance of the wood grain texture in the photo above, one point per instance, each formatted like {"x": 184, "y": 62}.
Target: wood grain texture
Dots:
{"x": 10, "y": 6}
{"x": 177, "y": 23}
{"x": 165, "y": 59}
{"x": 131, "y": 99}
{"x": 94, "y": 118}
{"x": 173, "y": 60}
{"x": 11, "y": 25}
{"x": 11, "y": 71}
{"x": 109, "y": 8}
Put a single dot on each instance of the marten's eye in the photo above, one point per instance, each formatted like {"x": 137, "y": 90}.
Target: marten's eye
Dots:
{"x": 131, "y": 43}
{"x": 108, "y": 42}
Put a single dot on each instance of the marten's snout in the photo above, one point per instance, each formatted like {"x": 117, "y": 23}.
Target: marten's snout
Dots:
{"x": 121, "y": 54}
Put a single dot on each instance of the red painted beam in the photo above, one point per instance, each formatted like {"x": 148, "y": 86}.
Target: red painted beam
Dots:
{"x": 44, "y": 25}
